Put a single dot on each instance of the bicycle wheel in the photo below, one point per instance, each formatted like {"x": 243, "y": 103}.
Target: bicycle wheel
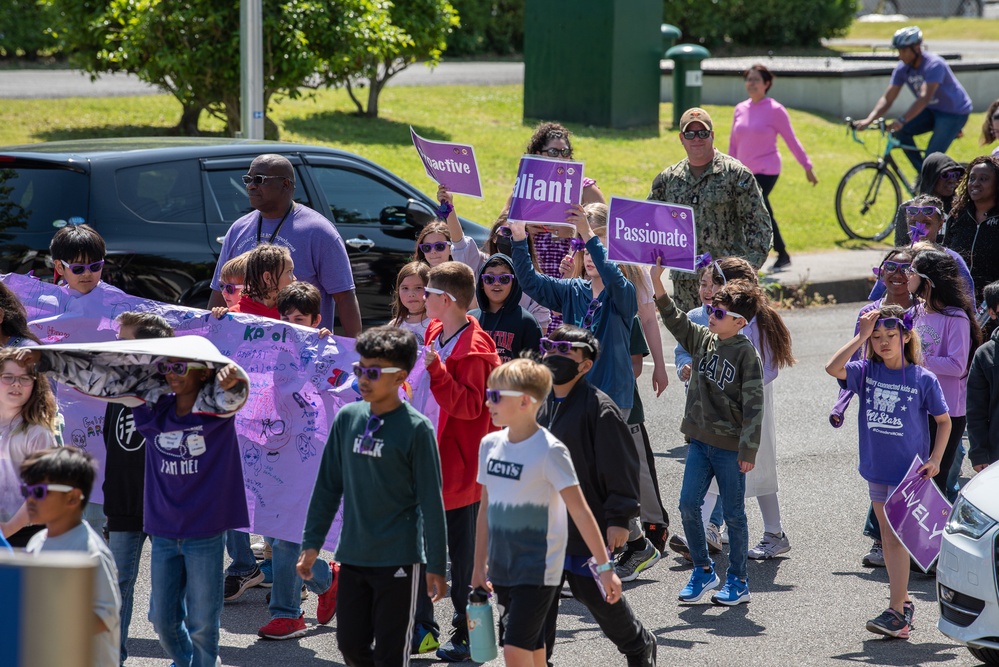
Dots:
{"x": 867, "y": 199}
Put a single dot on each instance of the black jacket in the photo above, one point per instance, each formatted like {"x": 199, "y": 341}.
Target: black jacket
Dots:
{"x": 512, "y": 328}
{"x": 123, "y": 470}
{"x": 589, "y": 423}
{"x": 978, "y": 245}
{"x": 983, "y": 404}
{"x": 934, "y": 165}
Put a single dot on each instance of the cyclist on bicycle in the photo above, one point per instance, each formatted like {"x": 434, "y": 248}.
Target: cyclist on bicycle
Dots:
{"x": 942, "y": 105}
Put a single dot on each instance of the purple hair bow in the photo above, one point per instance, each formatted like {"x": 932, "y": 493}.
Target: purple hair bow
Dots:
{"x": 577, "y": 245}
{"x": 444, "y": 210}
{"x": 702, "y": 260}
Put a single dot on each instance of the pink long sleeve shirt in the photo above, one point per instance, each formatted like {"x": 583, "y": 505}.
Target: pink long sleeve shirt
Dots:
{"x": 754, "y": 136}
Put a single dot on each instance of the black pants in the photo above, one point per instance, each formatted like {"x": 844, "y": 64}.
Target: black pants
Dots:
{"x": 767, "y": 183}
{"x": 376, "y": 605}
{"x": 957, "y": 425}
{"x": 650, "y": 460}
{"x": 461, "y": 553}
{"x": 617, "y": 621}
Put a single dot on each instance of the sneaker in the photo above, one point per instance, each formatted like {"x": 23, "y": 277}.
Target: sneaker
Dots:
{"x": 771, "y": 545}
{"x": 266, "y": 566}
{"x": 890, "y": 623}
{"x": 910, "y": 611}
{"x": 424, "y": 640}
{"x": 724, "y": 535}
{"x": 657, "y": 533}
{"x": 565, "y": 592}
{"x": 634, "y": 562}
{"x": 700, "y": 583}
{"x": 305, "y": 595}
{"x": 875, "y": 557}
{"x": 236, "y": 585}
{"x": 783, "y": 261}
{"x": 283, "y": 628}
{"x": 713, "y": 535}
{"x": 258, "y": 550}
{"x": 648, "y": 656}
{"x": 679, "y": 544}
{"x": 735, "y": 591}
{"x": 327, "y": 599}
{"x": 455, "y": 649}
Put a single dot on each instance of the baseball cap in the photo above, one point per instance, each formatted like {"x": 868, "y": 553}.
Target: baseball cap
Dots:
{"x": 696, "y": 115}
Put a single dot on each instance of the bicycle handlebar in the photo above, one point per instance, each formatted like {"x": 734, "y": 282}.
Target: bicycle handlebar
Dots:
{"x": 880, "y": 124}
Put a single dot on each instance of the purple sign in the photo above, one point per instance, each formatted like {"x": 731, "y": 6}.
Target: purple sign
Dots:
{"x": 544, "y": 190}
{"x": 450, "y": 164}
{"x": 918, "y": 512}
{"x": 641, "y": 231}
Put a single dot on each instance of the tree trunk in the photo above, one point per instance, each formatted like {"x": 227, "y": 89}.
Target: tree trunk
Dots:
{"x": 188, "y": 125}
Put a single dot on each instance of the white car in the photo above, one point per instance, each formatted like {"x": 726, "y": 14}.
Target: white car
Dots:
{"x": 968, "y": 569}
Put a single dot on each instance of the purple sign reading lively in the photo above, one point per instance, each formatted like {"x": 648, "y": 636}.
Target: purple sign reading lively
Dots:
{"x": 918, "y": 512}
{"x": 450, "y": 164}
{"x": 544, "y": 190}
{"x": 641, "y": 231}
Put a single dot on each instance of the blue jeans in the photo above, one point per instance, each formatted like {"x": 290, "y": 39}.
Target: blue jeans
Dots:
{"x": 187, "y": 590}
{"x": 237, "y": 545}
{"x": 126, "y": 548}
{"x": 954, "y": 474}
{"x": 705, "y": 462}
{"x": 944, "y": 126}
{"x": 286, "y": 592}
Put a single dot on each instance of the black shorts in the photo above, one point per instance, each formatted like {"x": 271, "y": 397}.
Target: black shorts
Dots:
{"x": 522, "y": 611}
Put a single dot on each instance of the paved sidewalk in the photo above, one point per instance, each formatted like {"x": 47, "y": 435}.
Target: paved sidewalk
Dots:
{"x": 845, "y": 275}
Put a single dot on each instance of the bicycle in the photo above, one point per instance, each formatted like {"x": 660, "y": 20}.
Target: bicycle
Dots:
{"x": 863, "y": 210}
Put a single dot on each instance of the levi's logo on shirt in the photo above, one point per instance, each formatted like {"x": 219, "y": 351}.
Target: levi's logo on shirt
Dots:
{"x": 504, "y": 469}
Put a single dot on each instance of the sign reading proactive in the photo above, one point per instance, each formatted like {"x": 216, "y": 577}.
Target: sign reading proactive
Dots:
{"x": 450, "y": 164}
{"x": 641, "y": 232}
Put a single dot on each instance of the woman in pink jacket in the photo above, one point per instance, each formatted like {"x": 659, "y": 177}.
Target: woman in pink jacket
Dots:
{"x": 755, "y": 127}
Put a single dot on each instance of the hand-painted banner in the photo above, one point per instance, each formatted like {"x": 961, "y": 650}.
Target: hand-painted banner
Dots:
{"x": 918, "y": 512}
{"x": 298, "y": 382}
{"x": 641, "y": 231}
{"x": 544, "y": 190}
{"x": 450, "y": 164}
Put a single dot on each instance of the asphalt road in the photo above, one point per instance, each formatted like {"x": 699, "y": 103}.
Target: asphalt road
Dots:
{"x": 808, "y": 608}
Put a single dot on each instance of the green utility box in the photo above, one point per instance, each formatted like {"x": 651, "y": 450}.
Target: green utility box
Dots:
{"x": 687, "y": 77}
{"x": 593, "y": 61}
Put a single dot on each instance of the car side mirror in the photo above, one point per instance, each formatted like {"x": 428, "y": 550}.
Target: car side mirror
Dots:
{"x": 419, "y": 214}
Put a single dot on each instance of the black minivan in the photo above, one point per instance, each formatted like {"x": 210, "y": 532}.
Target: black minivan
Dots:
{"x": 163, "y": 206}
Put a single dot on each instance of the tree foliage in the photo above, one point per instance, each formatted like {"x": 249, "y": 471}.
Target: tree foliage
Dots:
{"x": 23, "y": 26}
{"x": 488, "y": 27}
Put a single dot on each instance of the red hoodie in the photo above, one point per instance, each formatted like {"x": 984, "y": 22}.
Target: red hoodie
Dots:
{"x": 459, "y": 386}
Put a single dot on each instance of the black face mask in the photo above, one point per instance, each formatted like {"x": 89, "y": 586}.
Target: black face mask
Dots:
{"x": 564, "y": 370}
{"x": 504, "y": 246}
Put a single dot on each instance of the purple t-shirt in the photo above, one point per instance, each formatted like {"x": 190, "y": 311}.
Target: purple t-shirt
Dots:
{"x": 316, "y": 248}
{"x": 893, "y": 422}
{"x": 194, "y": 476}
{"x": 950, "y": 96}
{"x": 946, "y": 339}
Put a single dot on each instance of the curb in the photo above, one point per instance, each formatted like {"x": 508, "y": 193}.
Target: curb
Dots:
{"x": 848, "y": 290}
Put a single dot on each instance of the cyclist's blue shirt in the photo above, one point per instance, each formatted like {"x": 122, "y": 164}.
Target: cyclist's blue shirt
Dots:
{"x": 951, "y": 97}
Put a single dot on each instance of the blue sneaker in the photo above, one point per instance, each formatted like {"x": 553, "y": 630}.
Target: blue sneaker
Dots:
{"x": 700, "y": 583}
{"x": 735, "y": 591}
{"x": 424, "y": 640}
{"x": 267, "y": 567}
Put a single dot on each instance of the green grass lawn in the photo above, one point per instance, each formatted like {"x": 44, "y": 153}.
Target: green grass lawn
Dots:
{"x": 933, "y": 28}
{"x": 488, "y": 117}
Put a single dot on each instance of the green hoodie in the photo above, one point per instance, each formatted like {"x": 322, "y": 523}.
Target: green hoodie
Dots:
{"x": 725, "y": 395}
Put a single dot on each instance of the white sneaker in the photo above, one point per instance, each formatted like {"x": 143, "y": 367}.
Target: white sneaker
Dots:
{"x": 713, "y": 535}
{"x": 771, "y": 545}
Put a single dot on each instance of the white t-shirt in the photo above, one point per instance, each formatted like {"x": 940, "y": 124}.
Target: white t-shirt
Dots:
{"x": 528, "y": 527}
{"x": 107, "y": 597}
{"x": 15, "y": 445}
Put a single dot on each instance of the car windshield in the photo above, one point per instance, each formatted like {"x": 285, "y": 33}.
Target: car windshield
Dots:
{"x": 39, "y": 200}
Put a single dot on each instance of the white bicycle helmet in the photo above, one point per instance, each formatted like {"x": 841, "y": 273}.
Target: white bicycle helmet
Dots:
{"x": 907, "y": 37}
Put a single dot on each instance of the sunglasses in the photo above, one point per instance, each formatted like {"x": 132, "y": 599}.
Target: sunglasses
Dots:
{"x": 494, "y": 396}
{"x": 367, "y": 442}
{"x": 40, "y": 491}
{"x": 504, "y": 230}
{"x": 177, "y": 367}
{"x": 912, "y": 272}
{"x": 720, "y": 313}
{"x": 258, "y": 179}
{"x": 493, "y": 278}
{"x": 230, "y": 288}
{"x": 562, "y": 346}
{"x": 890, "y": 323}
{"x": 896, "y": 267}
{"x": 591, "y": 312}
{"x": 912, "y": 211}
{"x": 19, "y": 380}
{"x": 952, "y": 175}
{"x": 440, "y": 246}
{"x": 700, "y": 134}
{"x": 80, "y": 269}
{"x": 557, "y": 152}
{"x": 434, "y": 290}
{"x": 373, "y": 373}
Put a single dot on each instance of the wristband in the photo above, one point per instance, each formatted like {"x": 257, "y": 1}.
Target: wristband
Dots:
{"x": 605, "y": 567}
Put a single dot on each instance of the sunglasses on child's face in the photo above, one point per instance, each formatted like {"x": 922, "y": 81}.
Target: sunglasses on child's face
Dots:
{"x": 230, "y": 288}
{"x": 896, "y": 267}
{"x": 952, "y": 175}
{"x": 557, "y": 152}
{"x": 913, "y": 211}
{"x": 80, "y": 269}
{"x": 503, "y": 230}
{"x": 373, "y": 372}
{"x": 493, "y": 278}
{"x": 494, "y": 396}
{"x": 40, "y": 491}
{"x": 720, "y": 313}
{"x": 375, "y": 422}
{"x": 700, "y": 134}
{"x": 177, "y": 367}
{"x": 433, "y": 290}
{"x": 440, "y": 246}
{"x": 562, "y": 346}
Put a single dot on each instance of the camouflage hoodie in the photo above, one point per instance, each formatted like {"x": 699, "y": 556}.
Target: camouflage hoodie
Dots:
{"x": 725, "y": 395}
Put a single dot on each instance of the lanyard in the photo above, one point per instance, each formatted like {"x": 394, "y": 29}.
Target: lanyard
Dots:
{"x": 260, "y": 224}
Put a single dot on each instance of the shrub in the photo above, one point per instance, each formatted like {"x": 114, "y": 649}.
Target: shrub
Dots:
{"x": 488, "y": 27}
{"x": 23, "y": 26}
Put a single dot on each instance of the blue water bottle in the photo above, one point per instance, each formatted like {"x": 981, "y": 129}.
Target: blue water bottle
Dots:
{"x": 481, "y": 630}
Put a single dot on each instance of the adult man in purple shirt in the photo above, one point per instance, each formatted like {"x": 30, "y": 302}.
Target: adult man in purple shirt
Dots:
{"x": 316, "y": 247}
{"x": 942, "y": 105}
